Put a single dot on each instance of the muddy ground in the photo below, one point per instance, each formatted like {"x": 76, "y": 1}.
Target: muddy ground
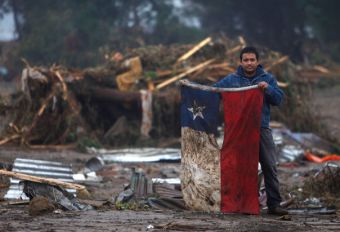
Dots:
{"x": 107, "y": 218}
{"x": 17, "y": 218}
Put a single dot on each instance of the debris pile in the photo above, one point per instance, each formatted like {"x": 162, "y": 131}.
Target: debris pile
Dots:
{"x": 54, "y": 195}
{"x": 315, "y": 191}
{"x": 145, "y": 193}
{"x": 135, "y": 94}
{"x": 325, "y": 183}
{"x": 38, "y": 168}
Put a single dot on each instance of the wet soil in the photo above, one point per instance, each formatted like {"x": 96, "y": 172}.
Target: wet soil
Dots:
{"x": 17, "y": 219}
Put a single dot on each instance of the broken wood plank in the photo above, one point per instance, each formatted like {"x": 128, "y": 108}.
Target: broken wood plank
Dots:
{"x": 191, "y": 70}
{"x": 19, "y": 202}
{"x": 10, "y": 138}
{"x": 212, "y": 79}
{"x": 234, "y": 49}
{"x": 37, "y": 179}
{"x": 57, "y": 147}
{"x": 242, "y": 41}
{"x": 126, "y": 80}
{"x": 14, "y": 127}
{"x": 61, "y": 79}
{"x": 151, "y": 86}
{"x": 274, "y": 124}
{"x": 238, "y": 47}
{"x": 282, "y": 84}
{"x": 162, "y": 73}
{"x": 279, "y": 61}
{"x": 43, "y": 107}
{"x": 221, "y": 65}
{"x": 321, "y": 69}
{"x": 194, "y": 50}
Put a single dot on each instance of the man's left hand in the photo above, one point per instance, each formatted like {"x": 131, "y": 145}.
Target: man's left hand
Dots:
{"x": 262, "y": 85}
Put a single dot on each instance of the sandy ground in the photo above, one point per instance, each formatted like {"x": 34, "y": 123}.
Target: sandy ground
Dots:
{"x": 16, "y": 217}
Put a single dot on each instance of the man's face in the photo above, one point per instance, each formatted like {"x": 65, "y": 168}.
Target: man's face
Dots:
{"x": 249, "y": 63}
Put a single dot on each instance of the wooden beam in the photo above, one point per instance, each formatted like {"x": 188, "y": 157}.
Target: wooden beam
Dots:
{"x": 234, "y": 49}
{"x": 238, "y": 47}
{"x": 282, "y": 84}
{"x": 191, "y": 70}
{"x": 10, "y": 138}
{"x": 194, "y": 50}
{"x": 37, "y": 179}
{"x": 277, "y": 62}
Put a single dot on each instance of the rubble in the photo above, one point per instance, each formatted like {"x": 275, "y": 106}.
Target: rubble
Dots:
{"x": 313, "y": 210}
{"x": 53, "y": 194}
{"x": 37, "y": 168}
{"x": 325, "y": 182}
{"x": 61, "y": 107}
{"x": 143, "y": 193}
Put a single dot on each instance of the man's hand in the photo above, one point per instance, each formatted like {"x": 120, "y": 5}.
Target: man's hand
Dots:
{"x": 262, "y": 85}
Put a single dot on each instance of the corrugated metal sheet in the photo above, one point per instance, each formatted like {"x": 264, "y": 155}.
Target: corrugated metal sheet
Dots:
{"x": 167, "y": 180}
{"x": 41, "y": 168}
{"x": 138, "y": 154}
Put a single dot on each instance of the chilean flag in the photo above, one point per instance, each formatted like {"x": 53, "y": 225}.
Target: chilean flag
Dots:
{"x": 220, "y": 179}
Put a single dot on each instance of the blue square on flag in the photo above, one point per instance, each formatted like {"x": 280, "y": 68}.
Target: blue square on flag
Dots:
{"x": 199, "y": 110}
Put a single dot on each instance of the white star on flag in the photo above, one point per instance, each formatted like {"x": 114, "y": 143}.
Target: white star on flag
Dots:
{"x": 196, "y": 110}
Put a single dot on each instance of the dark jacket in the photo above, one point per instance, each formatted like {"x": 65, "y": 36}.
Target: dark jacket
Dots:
{"x": 273, "y": 94}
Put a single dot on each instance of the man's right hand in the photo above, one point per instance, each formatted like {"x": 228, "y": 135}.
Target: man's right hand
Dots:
{"x": 262, "y": 85}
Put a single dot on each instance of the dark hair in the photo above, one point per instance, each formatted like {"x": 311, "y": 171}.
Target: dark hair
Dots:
{"x": 249, "y": 50}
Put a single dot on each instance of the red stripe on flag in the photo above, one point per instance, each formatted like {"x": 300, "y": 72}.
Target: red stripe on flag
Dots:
{"x": 240, "y": 151}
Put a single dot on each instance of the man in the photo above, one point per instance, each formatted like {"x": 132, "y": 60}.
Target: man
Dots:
{"x": 250, "y": 72}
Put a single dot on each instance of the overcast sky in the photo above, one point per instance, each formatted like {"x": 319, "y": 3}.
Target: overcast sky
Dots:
{"x": 7, "y": 31}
